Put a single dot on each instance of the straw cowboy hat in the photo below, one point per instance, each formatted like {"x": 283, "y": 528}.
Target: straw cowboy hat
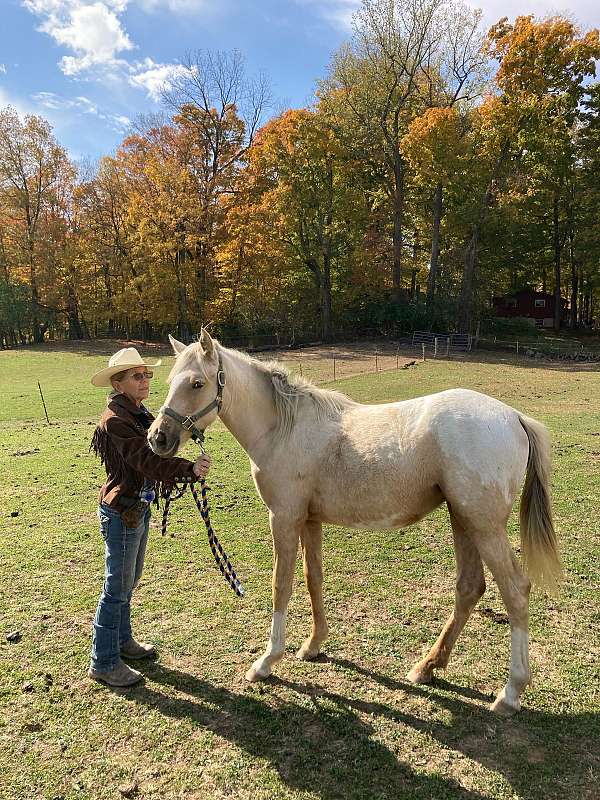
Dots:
{"x": 127, "y": 358}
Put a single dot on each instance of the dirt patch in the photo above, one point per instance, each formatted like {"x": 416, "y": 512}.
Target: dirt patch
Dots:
{"x": 332, "y": 362}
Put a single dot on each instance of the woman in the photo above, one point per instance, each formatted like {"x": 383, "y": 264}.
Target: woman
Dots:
{"x": 134, "y": 476}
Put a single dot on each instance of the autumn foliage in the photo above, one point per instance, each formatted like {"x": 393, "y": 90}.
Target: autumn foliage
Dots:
{"x": 402, "y": 197}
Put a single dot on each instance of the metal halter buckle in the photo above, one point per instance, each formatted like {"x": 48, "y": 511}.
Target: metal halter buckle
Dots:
{"x": 221, "y": 378}
{"x": 187, "y": 423}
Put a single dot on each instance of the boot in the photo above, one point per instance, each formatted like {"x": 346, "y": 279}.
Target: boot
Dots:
{"x": 120, "y": 675}
{"x": 137, "y": 650}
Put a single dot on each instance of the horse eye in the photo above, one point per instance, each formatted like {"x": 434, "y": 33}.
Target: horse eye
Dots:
{"x": 196, "y": 385}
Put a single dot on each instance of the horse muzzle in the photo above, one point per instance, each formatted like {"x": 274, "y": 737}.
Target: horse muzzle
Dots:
{"x": 163, "y": 442}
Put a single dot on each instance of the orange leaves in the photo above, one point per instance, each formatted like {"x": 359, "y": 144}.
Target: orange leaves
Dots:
{"x": 541, "y": 57}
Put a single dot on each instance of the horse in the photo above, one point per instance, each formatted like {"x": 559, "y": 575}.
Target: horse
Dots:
{"x": 319, "y": 457}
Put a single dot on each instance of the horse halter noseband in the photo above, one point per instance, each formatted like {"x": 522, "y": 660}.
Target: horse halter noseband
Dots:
{"x": 189, "y": 423}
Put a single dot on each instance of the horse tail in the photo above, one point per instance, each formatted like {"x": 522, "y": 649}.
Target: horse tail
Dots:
{"x": 539, "y": 547}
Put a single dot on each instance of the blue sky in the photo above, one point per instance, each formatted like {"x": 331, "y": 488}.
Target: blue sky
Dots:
{"x": 91, "y": 66}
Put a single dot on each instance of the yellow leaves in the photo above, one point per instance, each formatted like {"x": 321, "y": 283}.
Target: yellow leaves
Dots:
{"x": 434, "y": 143}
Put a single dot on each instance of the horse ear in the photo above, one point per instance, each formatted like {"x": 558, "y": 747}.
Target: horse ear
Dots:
{"x": 206, "y": 342}
{"x": 178, "y": 347}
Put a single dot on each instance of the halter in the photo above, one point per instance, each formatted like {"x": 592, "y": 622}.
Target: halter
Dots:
{"x": 189, "y": 423}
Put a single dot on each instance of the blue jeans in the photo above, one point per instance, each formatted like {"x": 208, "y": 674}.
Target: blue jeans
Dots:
{"x": 124, "y": 551}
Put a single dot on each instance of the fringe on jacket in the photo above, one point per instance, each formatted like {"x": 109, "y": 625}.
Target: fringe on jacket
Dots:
{"x": 117, "y": 467}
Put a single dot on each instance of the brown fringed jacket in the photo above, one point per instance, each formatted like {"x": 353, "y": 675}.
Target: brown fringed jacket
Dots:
{"x": 120, "y": 442}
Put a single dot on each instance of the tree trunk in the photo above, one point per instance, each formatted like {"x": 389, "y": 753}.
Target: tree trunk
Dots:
{"x": 75, "y": 328}
{"x": 36, "y": 327}
{"x": 435, "y": 244}
{"x": 574, "y": 270}
{"x": 574, "y": 282}
{"x": 466, "y": 289}
{"x": 183, "y": 325}
{"x": 326, "y": 243}
{"x": 325, "y": 297}
{"x": 557, "y": 249}
{"x": 109, "y": 301}
{"x": 581, "y": 290}
{"x": 398, "y": 223}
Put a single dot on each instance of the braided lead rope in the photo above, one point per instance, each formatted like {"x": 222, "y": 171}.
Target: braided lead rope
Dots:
{"x": 221, "y": 558}
{"x": 170, "y": 496}
{"x": 163, "y": 526}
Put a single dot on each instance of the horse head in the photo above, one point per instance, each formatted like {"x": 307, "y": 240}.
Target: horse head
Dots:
{"x": 195, "y": 394}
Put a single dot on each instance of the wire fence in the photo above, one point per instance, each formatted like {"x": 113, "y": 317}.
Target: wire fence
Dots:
{"x": 318, "y": 362}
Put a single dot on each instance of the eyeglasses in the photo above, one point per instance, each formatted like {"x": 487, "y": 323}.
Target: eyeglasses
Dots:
{"x": 141, "y": 376}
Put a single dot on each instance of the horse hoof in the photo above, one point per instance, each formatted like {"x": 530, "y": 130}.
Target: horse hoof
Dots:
{"x": 257, "y": 673}
{"x": 307, "y": 653}
{"x": 419, "y": 675}
{"x": 503, "y": 708}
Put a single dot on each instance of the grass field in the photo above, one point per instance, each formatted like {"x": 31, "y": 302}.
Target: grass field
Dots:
{"x": 347, "y": 726}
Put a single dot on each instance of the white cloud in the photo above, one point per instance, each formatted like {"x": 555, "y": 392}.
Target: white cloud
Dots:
{"x": 154, "y": 77}
{"x": 3, "y": 69}
{"x": 21, "y": 106}
{"x": 82, "y": 105}
{"x": 338, "y": 13}
{"x": 175, "y": 6}
{"x": 91, "y": 30}
{"x": 584, "y": 12}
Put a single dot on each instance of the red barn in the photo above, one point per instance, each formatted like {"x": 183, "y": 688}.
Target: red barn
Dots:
{"x": 535, "y": 306}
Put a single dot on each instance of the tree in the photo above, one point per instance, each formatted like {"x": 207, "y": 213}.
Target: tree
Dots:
{"x": 32, "y": 166}
{"x": 406, "y": 56}
{"x": 295, "y": 178}
{"x": 541, "y": 71}
{"x": 219, "y": 110}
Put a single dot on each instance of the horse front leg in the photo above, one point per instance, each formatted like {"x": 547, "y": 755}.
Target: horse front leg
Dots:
{"x": 285, "y": 547}
{"x": 311, "y": 538}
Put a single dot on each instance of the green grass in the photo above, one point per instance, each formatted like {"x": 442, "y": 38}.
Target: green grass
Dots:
{"x": 347, "y": 726}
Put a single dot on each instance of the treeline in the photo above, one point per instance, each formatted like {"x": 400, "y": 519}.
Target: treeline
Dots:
{"x": 438, "y": 166}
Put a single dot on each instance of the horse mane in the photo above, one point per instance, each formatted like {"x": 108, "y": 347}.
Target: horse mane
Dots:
{"x": 290, "y": 392}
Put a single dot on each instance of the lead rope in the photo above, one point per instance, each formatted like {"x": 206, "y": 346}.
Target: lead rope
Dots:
{"x": 221, "y": 558}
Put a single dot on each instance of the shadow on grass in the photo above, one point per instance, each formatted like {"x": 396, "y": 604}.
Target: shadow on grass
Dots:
{"x": 320, "y": 742}
{"x": 320, "y": 748}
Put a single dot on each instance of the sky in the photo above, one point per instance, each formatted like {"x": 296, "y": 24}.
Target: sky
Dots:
{"x": 92, "y": 66}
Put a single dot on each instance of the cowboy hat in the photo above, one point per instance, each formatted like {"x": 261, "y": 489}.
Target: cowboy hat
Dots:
{"x": 127, "y": 358}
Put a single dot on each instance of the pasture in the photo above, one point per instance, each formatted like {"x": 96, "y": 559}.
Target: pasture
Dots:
{"x": 346, "y": 726}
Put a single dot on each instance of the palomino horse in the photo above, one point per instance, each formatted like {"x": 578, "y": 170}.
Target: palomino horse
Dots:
{"x": 317, "y": 456}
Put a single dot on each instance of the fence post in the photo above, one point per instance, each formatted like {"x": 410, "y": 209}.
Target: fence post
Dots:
{"x": 435, "y": 347}
{"x": 517, "y": 347}
{"x": 44, "y": 404}
{"x": 448, "y": 346}
{"x": 376, "y": 363}
{"x": 423, "y": 348}
{"x": 334, "y": 368}
{"x": 397, "y": 349}
{"x": 301, "y": 370}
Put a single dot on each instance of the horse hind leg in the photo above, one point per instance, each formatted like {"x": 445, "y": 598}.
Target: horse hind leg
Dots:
{"x": 470, "y": 586}
{"x": 514, "y": 588}
{"x": 311, "y": 539}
